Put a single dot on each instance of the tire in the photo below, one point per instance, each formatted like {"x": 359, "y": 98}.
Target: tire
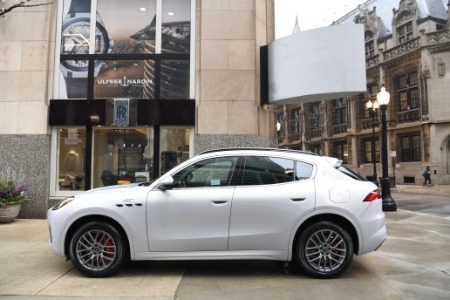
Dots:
{"x": 324, "y": 250}
{"x": 97, "y": 249}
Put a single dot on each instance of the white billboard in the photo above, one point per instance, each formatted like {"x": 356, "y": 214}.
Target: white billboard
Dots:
{"x": 320, "y": 64}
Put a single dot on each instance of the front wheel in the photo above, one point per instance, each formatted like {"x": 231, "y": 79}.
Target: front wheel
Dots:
{"x": 324, "y": 250}
{"x": 97, "y": 249}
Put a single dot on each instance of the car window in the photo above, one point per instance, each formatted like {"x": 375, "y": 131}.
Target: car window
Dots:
{"x": 207, "y": 173}
{"x": 302, "y": 170}
{"x": 267, "y": 170}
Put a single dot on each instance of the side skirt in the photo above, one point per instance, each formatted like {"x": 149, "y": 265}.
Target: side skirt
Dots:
{"x": 215, "y": 255}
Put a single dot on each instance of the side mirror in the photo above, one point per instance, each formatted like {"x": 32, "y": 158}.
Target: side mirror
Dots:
{"x": 166, "y": 183}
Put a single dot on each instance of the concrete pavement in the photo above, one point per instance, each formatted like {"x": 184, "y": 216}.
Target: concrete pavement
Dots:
{"x": 413, "y": 263}
{"x": 437, "y": 190}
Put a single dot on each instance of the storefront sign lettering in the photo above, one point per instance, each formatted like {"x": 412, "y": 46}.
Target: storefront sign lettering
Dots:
{"x": 124, "y": 81}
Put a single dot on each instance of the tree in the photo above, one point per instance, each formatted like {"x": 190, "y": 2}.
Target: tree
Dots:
{"x": 22, "y": 3}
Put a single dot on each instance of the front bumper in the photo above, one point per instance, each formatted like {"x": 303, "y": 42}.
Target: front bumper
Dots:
{"x": 55, "y": 226}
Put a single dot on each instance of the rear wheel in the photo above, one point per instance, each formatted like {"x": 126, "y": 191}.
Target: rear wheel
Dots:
{"x": 97, "y": 249}
{"x": 324, "y": 250}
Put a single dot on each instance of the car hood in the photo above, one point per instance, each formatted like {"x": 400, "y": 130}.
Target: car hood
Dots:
{"x": 115, "y": 191}
{"x": 112, "y": 188}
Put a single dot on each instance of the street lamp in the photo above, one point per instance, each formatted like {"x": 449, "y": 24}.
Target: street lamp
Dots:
{"x": 388, "y": 203}
{"x": 373, "y": 106}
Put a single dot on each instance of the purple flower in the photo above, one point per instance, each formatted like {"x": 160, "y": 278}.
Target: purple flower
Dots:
{"x": 2, "y": 193}
{"x": 21, "y": 188}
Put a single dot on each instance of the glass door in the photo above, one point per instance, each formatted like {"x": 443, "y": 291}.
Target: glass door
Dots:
{"x": 174, "y": 146}
{"x": 70, "y": 160}
{"x": 122, "y": 156}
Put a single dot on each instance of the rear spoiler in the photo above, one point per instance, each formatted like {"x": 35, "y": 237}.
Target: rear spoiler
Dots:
{"x": 334, "y": 162}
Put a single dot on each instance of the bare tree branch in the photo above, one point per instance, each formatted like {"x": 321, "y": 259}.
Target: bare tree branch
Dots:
{"x": 22, "y": 3}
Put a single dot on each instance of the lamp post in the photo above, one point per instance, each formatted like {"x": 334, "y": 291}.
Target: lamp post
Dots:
{"x": 373, "y": 106}
{"x": 383, "y": 98}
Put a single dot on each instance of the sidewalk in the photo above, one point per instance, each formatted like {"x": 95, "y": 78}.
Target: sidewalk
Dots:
{"x": 439, "y": 190}
{"x": 413, "y": 263}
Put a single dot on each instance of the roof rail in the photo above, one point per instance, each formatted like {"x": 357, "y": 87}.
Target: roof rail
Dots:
{"x": 258, "y": 149}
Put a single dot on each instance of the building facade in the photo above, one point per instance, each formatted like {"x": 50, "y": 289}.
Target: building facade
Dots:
{"x": 107, "y": 92}
{"x": 407, "y": 47}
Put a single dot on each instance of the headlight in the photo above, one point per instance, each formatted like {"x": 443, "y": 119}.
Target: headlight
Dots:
{"x": 63, "y": 202}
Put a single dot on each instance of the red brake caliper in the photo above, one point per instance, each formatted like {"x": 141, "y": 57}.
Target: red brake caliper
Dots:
{"x": 108, "y": 247}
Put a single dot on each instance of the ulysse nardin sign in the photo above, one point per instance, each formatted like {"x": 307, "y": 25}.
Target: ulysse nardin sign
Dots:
{"x": 124, "y": 81}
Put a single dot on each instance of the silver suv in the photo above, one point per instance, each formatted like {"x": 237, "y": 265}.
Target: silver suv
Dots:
{"x": 237, "y": 203}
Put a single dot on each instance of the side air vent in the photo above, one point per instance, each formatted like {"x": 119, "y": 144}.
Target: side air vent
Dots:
{"x": 129, "y": 204}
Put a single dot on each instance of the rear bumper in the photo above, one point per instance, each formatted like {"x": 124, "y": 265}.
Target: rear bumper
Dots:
{"x": 375, "y": 241}
{"x": 374, "y": 228}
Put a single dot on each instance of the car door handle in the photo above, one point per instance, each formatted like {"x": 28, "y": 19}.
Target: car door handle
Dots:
{"x": 219, "y": 202}
{"x": 298, "y": 199}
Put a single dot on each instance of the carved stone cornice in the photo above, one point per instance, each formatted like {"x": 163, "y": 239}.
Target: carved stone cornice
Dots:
{"x": 438, "y": 37}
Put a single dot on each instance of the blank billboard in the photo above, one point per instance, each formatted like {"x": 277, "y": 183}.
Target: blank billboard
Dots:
{"x": 320, "y": 64}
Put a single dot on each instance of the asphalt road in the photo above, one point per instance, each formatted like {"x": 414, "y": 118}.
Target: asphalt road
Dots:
{"x": 436, "y": 205}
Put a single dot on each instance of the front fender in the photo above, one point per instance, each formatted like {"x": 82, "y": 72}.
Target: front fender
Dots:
{"x": 96, "y": 214}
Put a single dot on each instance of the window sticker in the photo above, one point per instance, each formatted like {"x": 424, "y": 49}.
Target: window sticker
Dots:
{"x": 215, "y": 182}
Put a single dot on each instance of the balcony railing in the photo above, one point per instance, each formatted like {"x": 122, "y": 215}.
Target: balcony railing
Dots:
{"x": 408, "y": 116}
{"x": 372, "y": 61}
{"x": 340, "y": 129}
{"x": 295, "y": 137}
{"x": 316, "y": 133}
{"x": 367, "y": 123}
{"x": 403, "y": 49}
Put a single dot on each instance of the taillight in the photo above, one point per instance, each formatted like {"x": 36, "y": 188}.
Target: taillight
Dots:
{"x": 374, "y": 195}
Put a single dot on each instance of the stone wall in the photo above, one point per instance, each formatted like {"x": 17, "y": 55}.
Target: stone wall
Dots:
{"x": 31, "y": 154}
{"x": 205, "y": 142}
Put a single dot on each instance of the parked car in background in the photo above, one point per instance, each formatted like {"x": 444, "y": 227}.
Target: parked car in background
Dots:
{"x": 236, "y": 203}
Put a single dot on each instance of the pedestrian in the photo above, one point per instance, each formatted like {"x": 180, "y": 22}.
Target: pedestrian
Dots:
{"x": 426, "y": 176}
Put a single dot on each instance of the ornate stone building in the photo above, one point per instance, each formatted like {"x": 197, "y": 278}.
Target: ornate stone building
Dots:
{"x": 407, "y": 46}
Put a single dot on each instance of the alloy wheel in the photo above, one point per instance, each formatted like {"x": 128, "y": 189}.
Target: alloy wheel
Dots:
{"x": 96, "y": 250}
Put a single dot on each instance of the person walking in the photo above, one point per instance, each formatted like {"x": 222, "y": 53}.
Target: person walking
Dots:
{"x": 426, "y": 176}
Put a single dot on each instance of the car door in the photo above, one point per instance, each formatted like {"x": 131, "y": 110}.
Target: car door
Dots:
{"x": 275, "y": 193}
{"x": 194, "y": 215}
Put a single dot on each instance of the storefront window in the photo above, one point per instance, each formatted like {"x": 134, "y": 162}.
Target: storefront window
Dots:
{"x": 174, "y": 79}
{"x": 126, "y": 79}
{"x": 71, "y": 149}
{"x": 130, "y": 24}
{"x": 176, "y": 26}
{"x": 124, "y": 28}
{"x": 110, "y": 51}
{"x": 122, "y": 155}
{"x": 174, "y": 143}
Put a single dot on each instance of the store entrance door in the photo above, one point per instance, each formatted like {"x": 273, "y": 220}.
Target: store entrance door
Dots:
{"x": 122, "y": 155}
